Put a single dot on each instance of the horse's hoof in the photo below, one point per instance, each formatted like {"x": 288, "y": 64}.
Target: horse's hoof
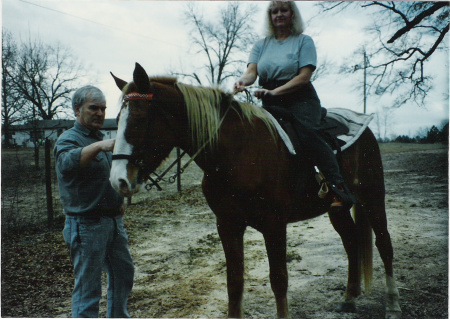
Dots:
{"x": 346, "y": 307}
{"x": 393, "y": 314}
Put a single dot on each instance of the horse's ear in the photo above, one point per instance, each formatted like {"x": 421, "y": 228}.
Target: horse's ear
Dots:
{"x": 141, "y": 79}
{"x": 120, "y": 83}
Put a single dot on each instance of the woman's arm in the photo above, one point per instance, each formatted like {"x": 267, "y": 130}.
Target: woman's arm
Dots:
{"x": 293, "y": 85}
{"x": 248, "y": 78}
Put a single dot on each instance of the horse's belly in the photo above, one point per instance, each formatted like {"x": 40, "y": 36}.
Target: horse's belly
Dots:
{"x": 307, "y": 208}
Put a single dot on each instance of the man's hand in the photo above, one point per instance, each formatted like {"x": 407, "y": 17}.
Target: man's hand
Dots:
{"x": 89, "y": 152}
{"x": 107, "y": 145}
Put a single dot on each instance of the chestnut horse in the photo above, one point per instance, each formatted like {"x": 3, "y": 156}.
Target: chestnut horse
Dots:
{"x": 250, "y": 179}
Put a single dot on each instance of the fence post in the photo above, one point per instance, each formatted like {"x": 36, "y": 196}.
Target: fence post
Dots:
{"x": 48, "y": 182}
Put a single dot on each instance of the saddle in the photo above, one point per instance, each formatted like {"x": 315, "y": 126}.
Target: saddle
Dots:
{"x": 330, "y": 128}
{"x": 340, "y": 128}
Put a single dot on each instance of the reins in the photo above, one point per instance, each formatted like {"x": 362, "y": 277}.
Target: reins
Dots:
{"x": 204, "y": 144}
{"x": 182, "y": 169}
{"x": 211, "y": 137}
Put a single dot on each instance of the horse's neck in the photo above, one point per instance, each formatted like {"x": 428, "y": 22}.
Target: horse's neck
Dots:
{"x": 215, "y": 154}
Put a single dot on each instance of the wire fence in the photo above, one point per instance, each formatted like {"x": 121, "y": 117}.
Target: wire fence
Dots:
{"x": 25, "y": 200}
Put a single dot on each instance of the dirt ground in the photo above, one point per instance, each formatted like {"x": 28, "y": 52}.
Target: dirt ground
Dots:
{"x": 180, "y": 266}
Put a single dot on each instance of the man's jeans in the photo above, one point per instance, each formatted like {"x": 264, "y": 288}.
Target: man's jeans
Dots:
{"x": 98, "y": 244}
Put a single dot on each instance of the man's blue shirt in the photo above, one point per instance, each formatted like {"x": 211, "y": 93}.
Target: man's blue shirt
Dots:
{"x": 83, "y": 189}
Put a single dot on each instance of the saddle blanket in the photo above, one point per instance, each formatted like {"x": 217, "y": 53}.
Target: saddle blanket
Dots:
{"x": 354, "y": 121}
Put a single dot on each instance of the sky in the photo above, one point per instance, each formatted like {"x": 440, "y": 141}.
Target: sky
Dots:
{"x": 110, "y": 36}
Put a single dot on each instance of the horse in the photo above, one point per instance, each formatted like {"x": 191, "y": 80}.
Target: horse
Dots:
{"x": 250, "y": 180}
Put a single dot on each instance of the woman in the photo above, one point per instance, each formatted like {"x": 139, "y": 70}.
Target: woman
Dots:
{"x": 285, "y": 61}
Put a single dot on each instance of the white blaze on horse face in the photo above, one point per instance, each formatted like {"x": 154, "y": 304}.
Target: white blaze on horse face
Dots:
{"x": 119, "y": 177}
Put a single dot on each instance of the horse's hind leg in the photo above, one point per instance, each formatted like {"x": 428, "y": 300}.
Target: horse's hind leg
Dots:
{"x": 377, "y": 217}
{"x": 346, "y": 228}
{"x": 275, "y": 239}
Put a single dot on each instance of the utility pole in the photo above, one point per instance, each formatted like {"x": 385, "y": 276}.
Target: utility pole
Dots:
{"x": 364, "y": 67}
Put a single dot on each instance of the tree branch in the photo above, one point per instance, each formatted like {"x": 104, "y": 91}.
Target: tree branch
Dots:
{"x": 414, "y": 22}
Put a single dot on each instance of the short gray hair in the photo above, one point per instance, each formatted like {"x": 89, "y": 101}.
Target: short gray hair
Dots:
{"x": 88, "y": 92}
{"x": 297, "y": 26}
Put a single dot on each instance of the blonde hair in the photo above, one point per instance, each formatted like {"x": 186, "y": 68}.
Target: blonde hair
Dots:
{"x": 204, "y": 115}
{"x": 297, "y": 26}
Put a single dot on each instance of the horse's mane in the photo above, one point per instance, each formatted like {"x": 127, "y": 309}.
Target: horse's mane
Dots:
{"x": 205, "y": 115}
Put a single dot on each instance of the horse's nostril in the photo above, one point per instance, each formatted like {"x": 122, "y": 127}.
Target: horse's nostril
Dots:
{"x": 123, "y": 186}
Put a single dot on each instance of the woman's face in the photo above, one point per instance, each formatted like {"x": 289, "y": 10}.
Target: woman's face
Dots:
{"x": 281, "y": 15}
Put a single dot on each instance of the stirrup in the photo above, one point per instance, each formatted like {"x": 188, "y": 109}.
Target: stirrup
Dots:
{"x": 320, "y": 178}
{"x": 345, "y": 199}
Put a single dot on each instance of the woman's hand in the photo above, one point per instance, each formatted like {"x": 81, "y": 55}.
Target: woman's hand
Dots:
{"x": 262, "y": 93}
{"x": 239, "y": 86}
{"x": 248, "y": 78}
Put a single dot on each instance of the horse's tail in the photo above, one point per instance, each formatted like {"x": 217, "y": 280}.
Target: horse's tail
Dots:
{"x": 365, "y": 246}
{"x": 372, "y": 193}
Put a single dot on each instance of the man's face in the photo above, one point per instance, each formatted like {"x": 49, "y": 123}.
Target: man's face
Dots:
{"x": 91, "y": 114}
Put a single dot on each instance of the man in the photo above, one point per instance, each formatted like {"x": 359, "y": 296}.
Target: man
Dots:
{"x": 94, "y": 229}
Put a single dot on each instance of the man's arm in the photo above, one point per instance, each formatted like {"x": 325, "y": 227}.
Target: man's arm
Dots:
{"x": 88, "y": 153}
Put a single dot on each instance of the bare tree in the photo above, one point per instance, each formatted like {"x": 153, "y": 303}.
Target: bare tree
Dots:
{"x": 45, "y": 76}
{"x": 220, "y": 41}
{"x": 404, "y": 36}
{"x": 12, "y": 102}
{"x": 384, "y": 122}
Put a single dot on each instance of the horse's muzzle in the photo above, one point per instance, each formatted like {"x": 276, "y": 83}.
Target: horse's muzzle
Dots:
{"x": 123, "y": 178}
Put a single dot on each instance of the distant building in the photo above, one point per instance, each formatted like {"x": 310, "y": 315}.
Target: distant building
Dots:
{"x": 26, "y": 134}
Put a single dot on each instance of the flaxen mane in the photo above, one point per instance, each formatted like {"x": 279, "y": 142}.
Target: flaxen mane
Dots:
{"x": 204, "y": 113}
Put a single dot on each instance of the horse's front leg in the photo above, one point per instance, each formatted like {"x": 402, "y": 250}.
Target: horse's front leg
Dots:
{"x": 275, "y": 239}
{"x": 232, "y": 237}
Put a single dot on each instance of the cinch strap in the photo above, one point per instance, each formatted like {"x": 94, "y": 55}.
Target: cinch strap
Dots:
{"x": 138, "y": 96}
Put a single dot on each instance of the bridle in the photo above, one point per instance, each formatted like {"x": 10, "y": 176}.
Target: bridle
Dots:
{"x": 138, "y": 96}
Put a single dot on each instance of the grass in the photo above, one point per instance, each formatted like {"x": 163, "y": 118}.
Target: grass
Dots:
{"x": 389, "y": 148}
